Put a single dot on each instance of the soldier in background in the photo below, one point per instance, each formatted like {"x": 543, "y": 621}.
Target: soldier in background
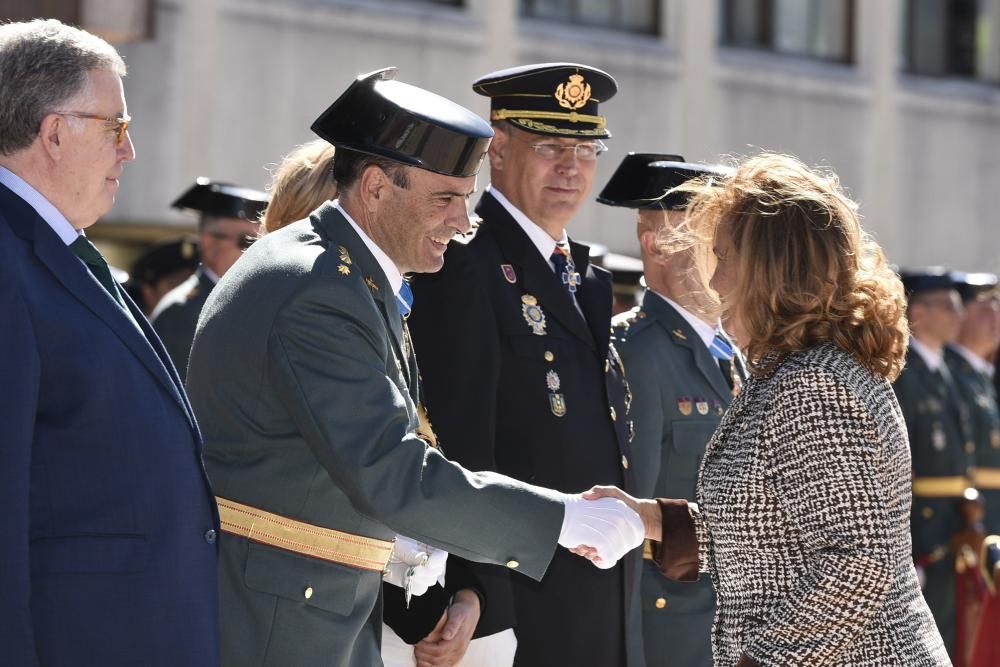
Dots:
{"x": 159, "y": 269}
{"x": 969, "y": 360}
{"x": 938, "y": 428}
{"x": 683, "y": 373}
{"x": 626, "y": 281}
{"x": 229, "y": 222}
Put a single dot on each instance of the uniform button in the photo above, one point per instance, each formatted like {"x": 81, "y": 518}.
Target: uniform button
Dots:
{"x": 970, "y": 447}
{"x": 308, "y": 592}
{"x": 512, "y": 564}
{"x": 927, "y": 512}
{"x": 607, "y": 366}
{"x": 625, "y": 462}
{"x": 614, "y": 415}
{"x": 661, "y": 603}
{"x": 210, "y": 536}
{"x": 549, "y": 356}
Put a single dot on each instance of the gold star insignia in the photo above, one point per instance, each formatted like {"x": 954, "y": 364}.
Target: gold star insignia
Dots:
{"x": 344, "y": 256}
{"x": 344, "y": 270}
{"x": 371, "y": 284}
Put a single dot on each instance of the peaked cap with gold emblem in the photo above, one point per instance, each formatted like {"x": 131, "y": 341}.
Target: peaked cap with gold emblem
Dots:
{"x": 554, "y": 99}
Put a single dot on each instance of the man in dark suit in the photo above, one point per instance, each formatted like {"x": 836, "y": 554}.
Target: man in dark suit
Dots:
{"x": 683, "y": 372}
{"x": 229, "y": 221}
{"x": 305, "y": 379}
{"x": 514, "y": 343}
{"x": 107, "y": 542}
{"x": 937, "y": 423}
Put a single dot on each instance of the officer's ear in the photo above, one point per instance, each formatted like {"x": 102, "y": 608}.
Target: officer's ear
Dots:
{"x": 372, "y": 186}
{"x": 648, "y": 241}
{"x": 497, "y": 148}
{"x": 52, "y": 134}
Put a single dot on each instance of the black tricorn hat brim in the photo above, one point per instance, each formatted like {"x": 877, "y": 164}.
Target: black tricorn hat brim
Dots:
{"x": 644, "y": 181}
{"x": 380, "y": 116}
{"x": 222, "y": 200}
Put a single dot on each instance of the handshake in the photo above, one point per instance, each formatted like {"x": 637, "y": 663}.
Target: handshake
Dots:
{"x": 601, "y": 526}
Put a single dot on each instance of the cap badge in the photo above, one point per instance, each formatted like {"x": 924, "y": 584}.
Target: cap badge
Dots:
{"x": 533, "y": 314}
{"x": 508, "y": 273}
{"x": 187, "y": 250}
{"x": 574, "y": 93}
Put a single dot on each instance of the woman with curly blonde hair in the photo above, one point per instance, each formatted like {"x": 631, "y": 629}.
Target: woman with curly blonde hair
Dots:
{"x": 302, "y": 182}
{"x": 803, "y": 505}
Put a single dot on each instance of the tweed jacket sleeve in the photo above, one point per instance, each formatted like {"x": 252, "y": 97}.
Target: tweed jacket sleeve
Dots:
{"x": 822, "y": 448}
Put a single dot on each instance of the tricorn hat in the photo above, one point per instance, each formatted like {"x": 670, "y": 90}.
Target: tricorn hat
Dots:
{"x": 222, "y": 200}
{"x": 380, "y": 116}
{"x": 642, "y": 181}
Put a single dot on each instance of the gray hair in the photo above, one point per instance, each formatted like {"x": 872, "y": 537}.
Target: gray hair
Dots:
{"x": 44, "y": 64}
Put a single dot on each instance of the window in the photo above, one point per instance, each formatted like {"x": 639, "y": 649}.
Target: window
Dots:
{"x": 946, "y": 37}
{"x": 821, "y": 29}
{"x": 642, "y": 16}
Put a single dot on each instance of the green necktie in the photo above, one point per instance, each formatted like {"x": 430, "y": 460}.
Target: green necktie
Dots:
{"x": 85, "y": 250}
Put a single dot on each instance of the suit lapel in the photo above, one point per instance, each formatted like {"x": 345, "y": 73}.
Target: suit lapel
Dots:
{"x": 536, "y": 274}
{"x": 594, "y": 295}
{"x": 684, "y": 335}
{"x": 79, "y": 282}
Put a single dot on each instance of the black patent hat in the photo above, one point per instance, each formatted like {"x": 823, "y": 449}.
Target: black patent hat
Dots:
{"x": 642, "y": 181}
{"x": 380, "y": 116}
{"x": 222, "y": 200}
{"x": 971, "y": 285}
{"x": 925, "y": 279}
{"x": 554, "y": 99}
{"x": 165, "y": 258}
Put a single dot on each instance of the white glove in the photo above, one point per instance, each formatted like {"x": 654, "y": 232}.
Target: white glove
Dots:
{"x": 606, "y": 524}
{"x": 415, "y": 567}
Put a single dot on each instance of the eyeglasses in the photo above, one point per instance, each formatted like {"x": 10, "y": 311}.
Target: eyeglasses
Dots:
{"x": 586, "y": 151}
{"x": 121, "y": 123}
{"x": 244, "y": 241}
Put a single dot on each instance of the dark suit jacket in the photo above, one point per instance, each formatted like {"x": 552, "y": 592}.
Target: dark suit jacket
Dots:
{"x": 489, "y": 386}
{"x": 105, "y": 552}
{"x": 306, "y": 387}
{"x": 176, "y": 317}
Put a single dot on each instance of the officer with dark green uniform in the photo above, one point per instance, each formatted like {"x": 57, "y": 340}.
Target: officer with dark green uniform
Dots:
{"x": 683, "y": 373}
{"x": 229, "y": 221}
{"x": 939, "y": 432}
{"x": 305, "y": 382}
{"x": 968, "y": 360}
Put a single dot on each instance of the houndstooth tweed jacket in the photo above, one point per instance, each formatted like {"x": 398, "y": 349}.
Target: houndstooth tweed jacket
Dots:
{"x": 803, "y": 523}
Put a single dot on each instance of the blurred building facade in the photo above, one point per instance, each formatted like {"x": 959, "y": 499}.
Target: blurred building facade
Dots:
{"x": 900, "y": 97}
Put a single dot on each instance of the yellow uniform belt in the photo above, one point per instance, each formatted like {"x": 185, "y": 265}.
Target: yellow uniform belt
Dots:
{"x": 940, "y": 487}
{"x": 365, "y": 553}
{"x": 986, "y": 478}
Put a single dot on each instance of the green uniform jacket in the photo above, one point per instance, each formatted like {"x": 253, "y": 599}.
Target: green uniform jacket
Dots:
{"x": 305, "y": 386}
{"x": 937, "y": 427}
{"x": 679, "y": 394}
{"x": 979, "y": 396}
{"x": 176, "y": 317}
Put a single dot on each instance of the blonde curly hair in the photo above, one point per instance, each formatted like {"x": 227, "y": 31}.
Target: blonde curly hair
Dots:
{"x": 806, "y": 272}
{"x": 302, "y": 182}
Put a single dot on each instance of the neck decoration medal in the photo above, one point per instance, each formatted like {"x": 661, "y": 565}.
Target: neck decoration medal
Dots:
{"x": 533, "y": 314}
